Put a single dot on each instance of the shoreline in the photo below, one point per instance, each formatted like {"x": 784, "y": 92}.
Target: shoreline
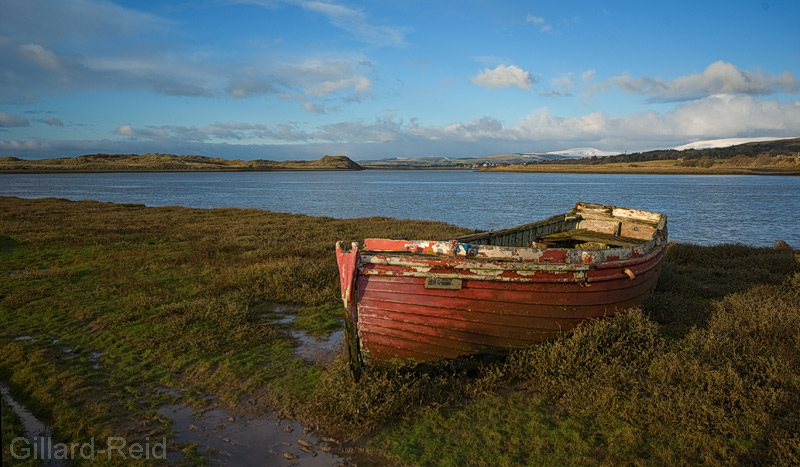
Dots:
{"x": 647, "y": 171}
{"x": 96, "y": 171}
{"x": 556, "y": 170}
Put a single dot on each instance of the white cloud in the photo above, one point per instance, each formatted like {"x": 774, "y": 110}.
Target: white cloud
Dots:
{"x": 313, "y": 108}
{"x": 719, "y": 78}
{"x": 359, "y": 84}
{"x": 125, "y": 130}
{"x": 36, "y": 68}
{"x": 539, "y": 22}
{"x": 8, "y": 120}
{"x": 37, "y": 54}
{"x": 382, "y": 130}
{"x": 504, "y": 76}
{"x": 350, "y": 19}
{"x": 231, "y": 132}
{"x": 48, "y": 22}
{"x": 319, "y": 82}
{"x": 66, "y": 47}
{"x": 356, "y": 22}
{"x": 52, "y": 121}
{"x": 242, "y": 87}
{"x": 28, "y": 146}
{"x": 479, "y": 129}
{"x": 731, "y": 116}
{"x": 722, "y": 116}
{"x": 717, "y": 116}
{"x": 561, "y": 86}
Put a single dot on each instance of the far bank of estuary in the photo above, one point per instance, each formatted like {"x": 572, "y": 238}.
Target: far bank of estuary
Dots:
{"x": 106, "y": 163}
{"x": 778, "y": 157}
{"x": 748, "y": 166}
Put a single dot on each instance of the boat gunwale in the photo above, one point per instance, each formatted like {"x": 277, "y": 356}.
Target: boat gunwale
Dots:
{"x": 626, "y": 255}
{"x": 645, "y": 249}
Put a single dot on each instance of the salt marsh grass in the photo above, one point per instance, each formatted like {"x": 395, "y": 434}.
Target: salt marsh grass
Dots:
{"x": 111, "y": 311}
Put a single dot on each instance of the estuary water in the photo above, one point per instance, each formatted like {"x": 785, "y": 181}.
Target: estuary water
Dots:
{"x": 701, "y": 209}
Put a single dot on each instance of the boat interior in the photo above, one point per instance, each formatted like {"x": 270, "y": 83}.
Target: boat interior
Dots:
{"x": 588, "y": 226}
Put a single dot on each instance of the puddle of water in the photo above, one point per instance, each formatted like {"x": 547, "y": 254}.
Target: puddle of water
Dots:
{"x": 38, "y": 433}
{"x": 69, "y": 355}
{"x": 317, "y": 351}
{"x": 169, "y": 391}
{"x": 94, "y": 357}
{"x": 25, "y": 338}
{"x": 280, "y": 314}
{"x": 259, "y": 441}
{"x": 32, "y": 425}
{"x": 243, "y": 441}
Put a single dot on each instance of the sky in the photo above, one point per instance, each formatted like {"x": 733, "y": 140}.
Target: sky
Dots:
{"x": 299, "y": 79}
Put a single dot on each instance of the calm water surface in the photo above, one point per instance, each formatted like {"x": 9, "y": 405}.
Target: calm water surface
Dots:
{"x": 702, "y": 209}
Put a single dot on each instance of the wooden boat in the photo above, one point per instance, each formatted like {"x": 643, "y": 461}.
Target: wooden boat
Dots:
{"x": 412, "y": 301}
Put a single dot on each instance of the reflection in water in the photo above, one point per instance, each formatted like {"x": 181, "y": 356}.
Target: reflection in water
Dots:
{"x": 39, "y": 436}
{"x": 248, "y": 441}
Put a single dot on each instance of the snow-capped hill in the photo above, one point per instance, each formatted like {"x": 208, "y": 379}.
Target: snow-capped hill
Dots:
{"x": 724, "y": 143}
{"x": 583, "y": 152}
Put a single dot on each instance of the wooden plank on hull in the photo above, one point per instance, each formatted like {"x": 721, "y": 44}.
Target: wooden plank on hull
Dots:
{"x": 500, "y": 318}
{"x": 487, "y": 300}
{"x": 471, "y": 331}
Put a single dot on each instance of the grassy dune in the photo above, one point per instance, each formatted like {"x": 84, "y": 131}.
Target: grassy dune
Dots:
{"x": 152, "y": 298}
{"x": 165, "y": 163}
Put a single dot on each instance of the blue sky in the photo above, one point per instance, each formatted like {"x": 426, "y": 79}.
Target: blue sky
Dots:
{"x": 298, "y": 79}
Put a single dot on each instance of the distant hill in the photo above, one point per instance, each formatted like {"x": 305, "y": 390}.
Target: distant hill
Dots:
{"x": 715, "y": 149}
{"x": 723, "y": 143}
{"x": 773, "y": 148}
{"x": 166, "y": 163}
{"x": 477, "y": 161}
{"x": 582, "y": 152}
{"x": 776, "y": 157}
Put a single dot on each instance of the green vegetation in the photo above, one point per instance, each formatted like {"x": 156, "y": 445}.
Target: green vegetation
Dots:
{"x": 115, "y": 303}
{"x": 781, "y": 157}
{"x": 166, "y": 163}
{"x": 764, "y": 149}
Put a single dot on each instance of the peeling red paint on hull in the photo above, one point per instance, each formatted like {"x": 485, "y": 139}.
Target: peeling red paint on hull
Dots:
{"x": 421, "y": 301}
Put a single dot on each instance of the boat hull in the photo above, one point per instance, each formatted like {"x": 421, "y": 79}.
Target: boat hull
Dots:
{"x": 410, "y": 307}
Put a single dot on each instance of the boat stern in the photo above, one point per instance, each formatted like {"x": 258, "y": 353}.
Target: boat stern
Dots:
{"x": 348, "y": 269}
